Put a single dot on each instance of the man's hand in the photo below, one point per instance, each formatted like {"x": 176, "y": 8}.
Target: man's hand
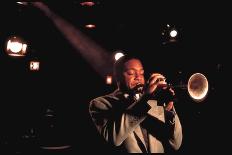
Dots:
{"x": 156, "y": 80}
{"x": 169, "y": 106}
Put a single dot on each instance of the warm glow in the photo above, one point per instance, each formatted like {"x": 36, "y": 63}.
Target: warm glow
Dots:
{"x": 90, "y": 26}
{"x": 16, "y": 47}
{"x": 19, "y": 2}
{"x": 22, "y": 3}
{"x": 34, "y": 65}
{"x": 89, "y": 3}
{"x": 108, "y": 79}
{"x": 173, "y": 33}
{"x": 118, "y": 55}
{"x": 24, "y": 48}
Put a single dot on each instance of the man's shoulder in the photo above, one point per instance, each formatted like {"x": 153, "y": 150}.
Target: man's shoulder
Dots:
{"x": 112, "y": 95}
{"x": 108, "y": 98}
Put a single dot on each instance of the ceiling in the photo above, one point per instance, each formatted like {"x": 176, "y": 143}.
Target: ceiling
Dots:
{"x": 134, "y": 27}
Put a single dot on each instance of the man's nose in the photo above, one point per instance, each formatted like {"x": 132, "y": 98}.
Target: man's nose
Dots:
{"x": 138, "y": 75}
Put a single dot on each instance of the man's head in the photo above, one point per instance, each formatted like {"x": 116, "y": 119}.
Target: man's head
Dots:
{"x": 129, "y": 73}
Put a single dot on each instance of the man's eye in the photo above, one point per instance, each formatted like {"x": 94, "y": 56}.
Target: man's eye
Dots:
{"x": 131, "y": 72}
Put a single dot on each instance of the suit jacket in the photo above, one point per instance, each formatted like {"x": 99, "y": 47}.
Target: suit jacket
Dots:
{"x": 121, "y": 120}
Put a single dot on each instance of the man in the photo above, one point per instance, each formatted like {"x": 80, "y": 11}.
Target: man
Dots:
{"x": 131, "y": 118}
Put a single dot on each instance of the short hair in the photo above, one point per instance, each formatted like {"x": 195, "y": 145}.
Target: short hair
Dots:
{"x": 119, "y": 66}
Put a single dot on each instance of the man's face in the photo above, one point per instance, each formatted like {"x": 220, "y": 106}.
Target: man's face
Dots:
{"x": 133, "y": 74}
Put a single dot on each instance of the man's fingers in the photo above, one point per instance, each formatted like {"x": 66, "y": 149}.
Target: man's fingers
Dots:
{"x": 169, "y": 106}
{"x": 156, "y": 79}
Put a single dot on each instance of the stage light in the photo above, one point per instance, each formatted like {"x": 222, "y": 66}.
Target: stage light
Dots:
{"x": 90, "y": 26}
{"x": 169, "y": 34}
{"x": 34, "y": 65}
{"x": 88, "y": 3}
{"x": 20, "y": 3}
{"x": 173, "y": 33}
{"x": 109, "y": 80}
{"x": 118, "y": 55}
{"x": 16, "y": 47}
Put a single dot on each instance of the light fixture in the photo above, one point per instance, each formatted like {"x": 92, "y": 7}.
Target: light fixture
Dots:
{"x": 34, "y": 65}
{"x": 87, "y": 3}
{"x": 22, "y": 3}
{"x": 90, "y": 26}
{"x": 173, "y": 33}
{"x": 16, "y": 47}
{"x": 109, "y": 79}
{"x": 169, "y": 34}
{"x": 118, "y": 54}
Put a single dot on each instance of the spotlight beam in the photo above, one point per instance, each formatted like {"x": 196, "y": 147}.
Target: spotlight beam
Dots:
{"x": 92, "y": 52}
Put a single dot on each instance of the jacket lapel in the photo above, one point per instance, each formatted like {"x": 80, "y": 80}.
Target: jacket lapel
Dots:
{"x": 156, "y": 111}
{"x": 139, "y": 135}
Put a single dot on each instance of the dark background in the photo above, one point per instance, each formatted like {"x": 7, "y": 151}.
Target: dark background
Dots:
{"x": 66, "y": 82}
